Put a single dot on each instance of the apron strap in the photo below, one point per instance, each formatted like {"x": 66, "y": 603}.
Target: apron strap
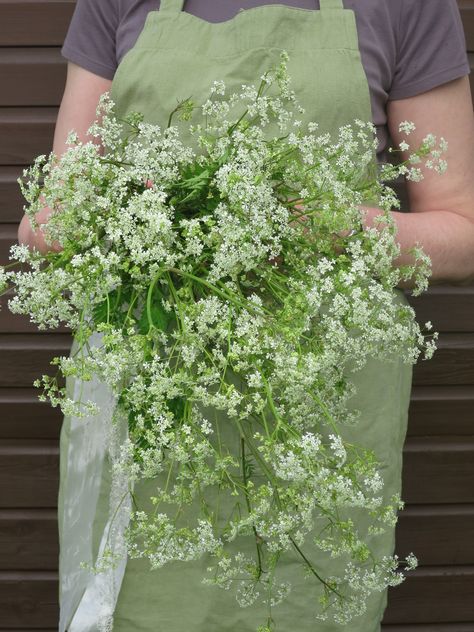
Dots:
{"x": 330, "y": 4}
{"x": 176, "y": 6}
{"x": 171, "y": 6}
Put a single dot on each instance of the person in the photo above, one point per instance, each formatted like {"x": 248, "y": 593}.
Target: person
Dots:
{"x": 373, "y": 59}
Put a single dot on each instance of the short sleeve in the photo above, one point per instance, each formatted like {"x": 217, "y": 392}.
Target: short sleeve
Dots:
{"x": 90, "y": 39}
{"x": 431, "y": 47}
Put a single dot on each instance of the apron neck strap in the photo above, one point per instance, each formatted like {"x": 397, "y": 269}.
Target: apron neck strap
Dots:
{"x": 330, "y": 4}
{"x": 171, "y": 6}
{"x": 176, "y": 6}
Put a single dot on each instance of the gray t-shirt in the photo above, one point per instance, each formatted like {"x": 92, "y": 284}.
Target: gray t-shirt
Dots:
{"x": 407, "y": 46}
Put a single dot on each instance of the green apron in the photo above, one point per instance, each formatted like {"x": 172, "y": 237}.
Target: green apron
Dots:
{"x": 178, "y": 55}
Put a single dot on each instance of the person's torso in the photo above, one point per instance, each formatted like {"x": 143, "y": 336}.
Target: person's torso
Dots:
{"x": 375, "y": 26}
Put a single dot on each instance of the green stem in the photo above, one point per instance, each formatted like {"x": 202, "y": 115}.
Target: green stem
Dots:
{"x": 249, "y": 508}
{"x": 310, "y": 566}
{"x": 148, "y": 301}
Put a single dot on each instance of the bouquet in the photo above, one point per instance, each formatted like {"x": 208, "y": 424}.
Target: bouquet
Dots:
{"x": 234, "y": 278}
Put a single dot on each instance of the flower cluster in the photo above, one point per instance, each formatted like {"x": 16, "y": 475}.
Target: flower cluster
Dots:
{"x": 223, "y": 289}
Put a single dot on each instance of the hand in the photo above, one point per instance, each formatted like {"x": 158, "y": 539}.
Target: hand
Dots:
{"x": 35, "y": 239}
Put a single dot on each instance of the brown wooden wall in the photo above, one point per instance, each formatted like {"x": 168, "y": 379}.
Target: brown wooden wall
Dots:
{"x": 438, "y": 481}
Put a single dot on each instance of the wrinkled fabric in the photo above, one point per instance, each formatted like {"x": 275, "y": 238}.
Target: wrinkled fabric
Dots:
{"x": 407, "y": 46}
{"x": 86, "y": 447}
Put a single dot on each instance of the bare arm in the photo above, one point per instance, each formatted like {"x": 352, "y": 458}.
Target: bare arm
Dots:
{"x": 442, "y": 206}
{"x": 77, "y": 111}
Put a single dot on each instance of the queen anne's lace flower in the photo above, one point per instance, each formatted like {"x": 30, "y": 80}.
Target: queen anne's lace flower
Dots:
{"x": 220, "y": 281}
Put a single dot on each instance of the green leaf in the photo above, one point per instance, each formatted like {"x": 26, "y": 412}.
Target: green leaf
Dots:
{"x": 159, "y": 317}
{"x": 176, "y": 406}
{"x": 99, "y": 313}
{"x": 107, "y": 306}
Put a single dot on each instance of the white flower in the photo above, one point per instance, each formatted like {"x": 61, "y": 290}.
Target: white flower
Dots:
{"x": 406, "y": 127}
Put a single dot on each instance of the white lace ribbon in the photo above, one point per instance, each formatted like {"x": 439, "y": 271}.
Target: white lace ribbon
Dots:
{"x": 88, "y": 600}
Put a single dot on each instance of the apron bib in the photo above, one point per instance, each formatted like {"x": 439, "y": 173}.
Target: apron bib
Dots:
{"x": 178, "y": 55}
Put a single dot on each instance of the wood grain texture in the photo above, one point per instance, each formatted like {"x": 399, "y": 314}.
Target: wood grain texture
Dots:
{"x": 434, "y": 411}
{"x": 427, "y": 531}
{"x": 25, "y": 133}
{"x": 32, "y": 76}
{"x": 28, "y": 599}
{"x": 441, "y": 410}
{"x": 25, "y": 357}
{"x": 20, "y": 323}
{"x": 431, "y": 627}
{"x": 29, "y": 475}
{"x": 434, "y": 472}
{"x": 11, "y": 198}
{"x": 50, "y": 19}
{"x": 452, "y": 363}
{"x": 438, "y": 470}
{"x": 29, "y": 539}
{"x": 428, "y": 595}
{"x": 8, "y": 237}
{"x": 449, "y": 308}
{"x": 433, "y": 595}
{"x": 25, "y": 417}
{"x": 467, "y": 14}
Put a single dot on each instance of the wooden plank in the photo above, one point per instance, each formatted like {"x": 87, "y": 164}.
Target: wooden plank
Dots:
{"x": 29, "y": 539}
{"x": 438, "y": 470}
{"x": 427, "y": 530}
{"x": 450, "y": 308}
{"x": 434, "y": 472}
{"x": 8, "y": 237}
{"x": 434, "y": 411}
{"x": 11, "y": 198}
{"x": 50, "y": 18}
{"x": 29, "y": 475}
{"x": 14, "y": 323}
{"x": 25, "y": 357}
{"x": 28, "y": 599}
{"x": 25, "y": 417}
{"x": 466, "y": 8}
{"x": 433, "y": 595}
{"x": 19, "y": 323}
{"x": 452, "y": 363}
{"x": 32, "y": 76}
{"x": 441, "y": 410}
{"x": 25, "y": 133}
{"x": 431, "y": 627}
